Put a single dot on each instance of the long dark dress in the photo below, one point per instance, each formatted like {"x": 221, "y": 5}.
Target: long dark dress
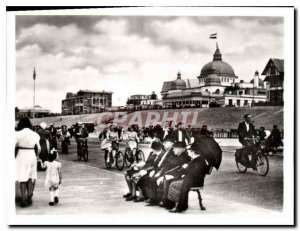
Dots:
{"x": 45, "y": 137}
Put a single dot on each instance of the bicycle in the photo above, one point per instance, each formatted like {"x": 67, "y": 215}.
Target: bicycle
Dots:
{"x": 129, "y": 158}
{"x": 82, "y": 149}
{"x": 261, "y": 158}
{"x": 118, "y": 159}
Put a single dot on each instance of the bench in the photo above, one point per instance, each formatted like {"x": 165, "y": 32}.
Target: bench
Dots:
{"x": 197, "y": 190}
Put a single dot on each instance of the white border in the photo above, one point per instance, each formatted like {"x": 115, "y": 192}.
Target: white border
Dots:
{"x": 286, "y": 217}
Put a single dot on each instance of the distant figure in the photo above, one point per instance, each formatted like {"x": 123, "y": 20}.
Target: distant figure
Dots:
{"x": 262, "y": 133}
{"x": 275, "y": 137}
{"x": 53, "y": 132}
{"x": 44, "y": 141}
{"x": 204, "y": 131}
{"x": 53, "y": 176}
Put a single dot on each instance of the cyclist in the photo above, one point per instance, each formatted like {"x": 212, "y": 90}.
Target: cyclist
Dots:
{"x": 246, "y": 132}
{"x": 133, "y": 140}
{"x": 82, "y": 133}
{"x": 112, "y": 136}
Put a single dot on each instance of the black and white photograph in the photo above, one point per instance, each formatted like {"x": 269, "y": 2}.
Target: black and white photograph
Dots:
{"x": 150, "y": 116}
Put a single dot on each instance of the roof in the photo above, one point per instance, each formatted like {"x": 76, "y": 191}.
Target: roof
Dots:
{"x": 192, "y": 83}
{"x": 279, "y": 64}
{"x": 36, "y": 109}
{"x": 92, "y": 91}
{"x": 166, "y": 86}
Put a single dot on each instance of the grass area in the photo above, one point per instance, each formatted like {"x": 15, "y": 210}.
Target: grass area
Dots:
{"x": 215, "y": 118}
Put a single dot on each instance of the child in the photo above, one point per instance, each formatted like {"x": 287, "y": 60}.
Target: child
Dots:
{"x": 53, "y": 176}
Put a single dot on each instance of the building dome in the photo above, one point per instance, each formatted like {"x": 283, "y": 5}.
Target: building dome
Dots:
{"x": 260, "y": 82}
{"x": 220, "y": 67}
{"x": 212, "y": 80}
{"x": 178, "y": 84}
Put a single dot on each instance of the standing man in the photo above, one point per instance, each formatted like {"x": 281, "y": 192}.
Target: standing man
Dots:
{"x": 53, "y": 132}
{"x": 246, "y": 131}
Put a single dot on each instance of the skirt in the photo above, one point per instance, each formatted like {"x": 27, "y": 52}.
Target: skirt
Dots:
{"x": 26, "y": 166}
{"x": 132, "y": 144}
{"x": 105, "y": 144}
{"x": 174, "y": 190}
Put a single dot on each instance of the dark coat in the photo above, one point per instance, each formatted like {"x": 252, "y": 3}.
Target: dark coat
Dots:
{"x": 175, "y": 161}
{"x": 243, "y": 133}
{"x": 194, "y": 174}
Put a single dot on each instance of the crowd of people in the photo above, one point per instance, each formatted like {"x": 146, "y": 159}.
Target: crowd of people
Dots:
{"x": 180, "y": 158}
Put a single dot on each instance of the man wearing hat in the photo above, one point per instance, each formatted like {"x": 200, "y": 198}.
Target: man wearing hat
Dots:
{"x": 177, "y": 157}
{"x": 246, "y": 131}
{"x": 138, "y": 171}
{"x": 180, "y": 133}
{"x": 189, "y": 175}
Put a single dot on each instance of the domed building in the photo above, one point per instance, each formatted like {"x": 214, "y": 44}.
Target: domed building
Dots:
{"x": 178, "y": 84}
{"x": 218, "y": 67}
{"x": 217, "y": 83}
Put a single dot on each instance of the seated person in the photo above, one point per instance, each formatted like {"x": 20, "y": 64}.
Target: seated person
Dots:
{"x": 190, "y": 174}
{"x": 177, "y": 159}
{"x": 137, "y": 171}
{"x": 144, "y": 182}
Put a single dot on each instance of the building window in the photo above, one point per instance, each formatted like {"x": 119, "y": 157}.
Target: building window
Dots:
{"x": 230, "y": 102}
{"x": 246, "y": 103}
{"x": 238, "y": 102}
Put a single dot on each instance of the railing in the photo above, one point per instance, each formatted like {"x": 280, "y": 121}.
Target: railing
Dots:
{"x": 231, "y": 133}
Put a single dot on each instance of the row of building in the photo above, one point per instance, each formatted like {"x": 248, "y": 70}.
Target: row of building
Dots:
{"x": 217, "y": 85}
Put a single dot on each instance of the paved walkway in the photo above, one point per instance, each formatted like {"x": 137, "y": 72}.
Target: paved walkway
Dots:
{"x": 88, "y": 190}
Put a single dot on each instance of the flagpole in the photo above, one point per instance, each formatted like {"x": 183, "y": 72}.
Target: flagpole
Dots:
{"x": 33, "y": 93}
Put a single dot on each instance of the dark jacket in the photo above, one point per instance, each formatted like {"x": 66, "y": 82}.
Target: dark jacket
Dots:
{"x": 175, "y": 161}
{"x": 194, "y": 174}
{"x": 243, "y": 133}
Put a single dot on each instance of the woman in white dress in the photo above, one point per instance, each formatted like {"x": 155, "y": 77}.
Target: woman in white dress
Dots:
{"x": 133, "y": 140}
{"x": 27, "y": 149}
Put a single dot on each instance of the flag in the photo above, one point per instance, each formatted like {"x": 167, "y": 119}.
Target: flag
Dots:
{"x": 213, "y": 36}
{"x": 34, "y": 74}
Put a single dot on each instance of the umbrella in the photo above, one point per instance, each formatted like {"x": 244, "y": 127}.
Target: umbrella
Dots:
{"x": 209, "y": 149}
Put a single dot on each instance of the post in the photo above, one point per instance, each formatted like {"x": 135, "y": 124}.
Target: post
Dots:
{"x": 34, "y": 75}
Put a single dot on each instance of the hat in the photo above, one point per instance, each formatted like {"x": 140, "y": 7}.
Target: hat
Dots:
{"x": 43, "y": 125}
{"x": 247, "y": 116}
{"x": 196, "y": 147}
{"x": 169, "y": 138}
{"x": 156, "y": 145}
{"x": 179, "y": 144}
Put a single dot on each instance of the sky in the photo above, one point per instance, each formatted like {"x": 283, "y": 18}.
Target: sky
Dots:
{"x": 133, "y": 54}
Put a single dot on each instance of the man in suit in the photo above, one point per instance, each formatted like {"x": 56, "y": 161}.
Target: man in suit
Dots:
{"x": 145, "y": 182}
{"x": 180, "y": 133}
{"x": 246, "y": 131}
{"x": 176, "y": 159}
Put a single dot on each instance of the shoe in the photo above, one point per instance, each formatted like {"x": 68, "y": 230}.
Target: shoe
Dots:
{"x": 152, "y": 204}
{"x": 51, "y": 203}
{"x": 23, "y": 204}
{"x": 55, "y": 200}
{"x": 131, "y": 198}
{"x": 139, "y": 199}
{"x": 161, "y": 204}
{"x": 29, "y": 201}
{"x": 127, "y": 195}
{"x": 175, "y": 211}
